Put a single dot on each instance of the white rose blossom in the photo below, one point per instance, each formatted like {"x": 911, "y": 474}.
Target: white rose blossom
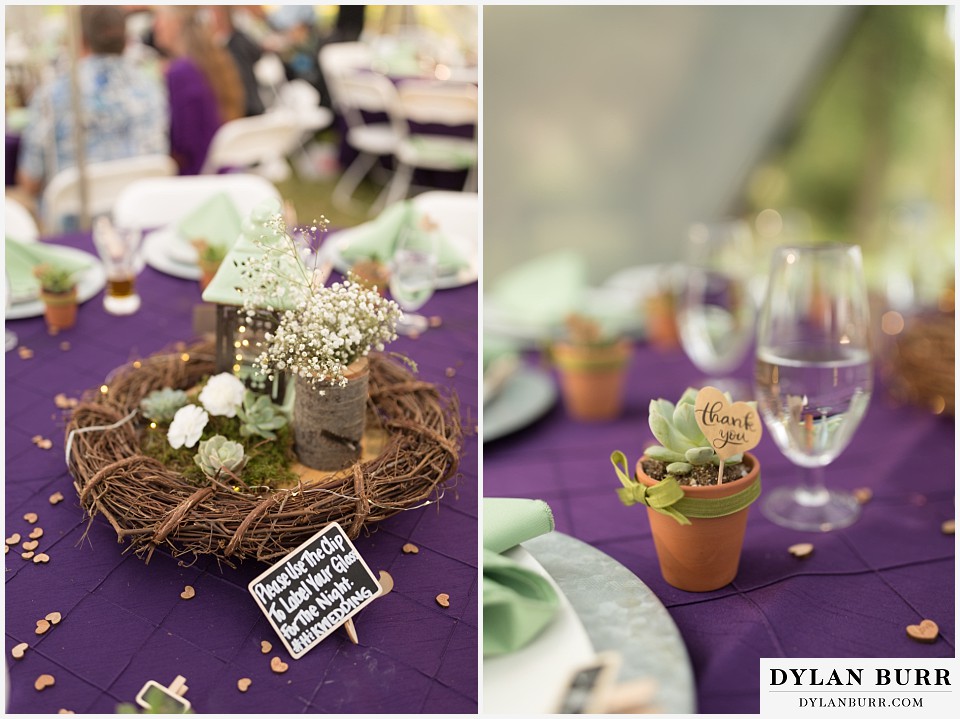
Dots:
{"x": 223, "y": 395}
{"x": 187, "y": 426}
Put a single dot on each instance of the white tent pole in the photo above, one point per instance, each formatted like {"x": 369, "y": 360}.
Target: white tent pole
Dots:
{"x": 76, "y": 101}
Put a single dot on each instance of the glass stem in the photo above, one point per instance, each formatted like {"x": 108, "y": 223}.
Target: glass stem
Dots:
{"x": 812, "y": 492}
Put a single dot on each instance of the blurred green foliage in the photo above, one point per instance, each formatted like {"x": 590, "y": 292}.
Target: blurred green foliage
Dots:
{"x": 878, "y": 132}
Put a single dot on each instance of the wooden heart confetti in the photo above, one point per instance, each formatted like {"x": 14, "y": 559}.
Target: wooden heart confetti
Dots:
{"x": 27, "y": 555}
{"x": 65, "y": 711}
{"x": 188, "y": 592}
{"x": 24, "y": 352}
{"x": 56, "y": 498}
{"x": 435, "y": 321}
{"x": 949, "y": 527}
{"x": 278, "y": 665}
{"x": 30, "y": 546}
{"x": 411, "y": 548}
{"x": 44, "y": 681}
{"x": 926, "y": 631}
{"x": 863, "y": 495}
{"x": 43, "y": 626}
{"x": 41, "y": 558}
{"x": 65, "y": 346}
{"x": 19, "y": 650}
{"x": 31, "y": 517}
{"x": 730, "y": 428}
{"x": 386, "y": 582}
{"x": 13, "y": 539}
{"x": 265, "y": 647}
{"x": 36, "y": 533}
{"x": 54, "y": 617}
{"x": 450, "y": 372}
{"x": 802, "y": 550}
{"x": 443, "y": 600}
{"x": 36, "y": 438}
{"x": 45, "y": 444}
{"x": 243, "y": 684}
{"x": 6, "y": 549}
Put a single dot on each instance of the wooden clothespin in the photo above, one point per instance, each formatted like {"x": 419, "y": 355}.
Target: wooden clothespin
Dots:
{"x": 154, "y": 693}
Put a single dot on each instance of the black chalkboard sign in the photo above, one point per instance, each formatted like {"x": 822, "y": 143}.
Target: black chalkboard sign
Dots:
{"x": 315, "y": 589}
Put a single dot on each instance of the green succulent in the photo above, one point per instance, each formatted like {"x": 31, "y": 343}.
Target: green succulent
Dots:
{"x": 219, "y": 453}
{"x": 259, "y": 416}
{"x": 682, "y": 443}
{"x": 54, "y": 278}
{"x": 161, "y": 404}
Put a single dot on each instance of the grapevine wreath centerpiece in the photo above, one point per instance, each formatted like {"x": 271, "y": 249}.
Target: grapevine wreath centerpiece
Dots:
{"x": 203, "y": 453}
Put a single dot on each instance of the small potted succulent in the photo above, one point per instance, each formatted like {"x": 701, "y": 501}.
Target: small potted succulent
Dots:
{"x": 698, "y": 524}
{"x": 209, "y": 257}
{"x": 372, "y": 274}
{"x": 592, "y": 370}
{"x": 58, "y": 290}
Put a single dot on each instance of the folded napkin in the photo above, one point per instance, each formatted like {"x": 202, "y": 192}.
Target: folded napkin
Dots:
{"x": 517, "y": 603}
{"x": 543, "y": 291}
{"x": 376, "y": 239}
{"x": 215, "y": 221}
{"x": 21, "y": 258}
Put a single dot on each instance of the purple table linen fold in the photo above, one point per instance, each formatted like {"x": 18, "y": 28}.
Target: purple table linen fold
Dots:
{"x": 124, "y": 621}
{"x": 853, "y": 597}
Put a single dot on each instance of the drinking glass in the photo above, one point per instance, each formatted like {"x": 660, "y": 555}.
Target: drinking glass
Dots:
{"x": 118, "y": 248}
{"x": 813, "y": 375}
{"x": 715, "y": 309}
{"x": 413, "y": 276}
{"x": 10, "y": 337}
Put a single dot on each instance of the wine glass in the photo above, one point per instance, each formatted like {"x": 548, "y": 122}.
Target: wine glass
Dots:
{"x": 10, "y": 338}
{"x": 413, "y": 275}
{"x": 813, "y": 375}
{"x": 715, "y": 308}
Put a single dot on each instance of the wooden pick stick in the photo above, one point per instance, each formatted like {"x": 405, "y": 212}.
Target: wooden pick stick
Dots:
{"x": 720, "y": 476}
{"x": 351, "y": 630}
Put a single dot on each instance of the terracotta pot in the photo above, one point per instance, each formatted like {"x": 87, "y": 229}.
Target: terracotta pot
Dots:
{"x": 207, "y": 271}
{"x": 703, "y": 555}
{"x": 328, "y": 428}
{"x": 60, "y": 309}
{"x": 661, "y": 322}
{"x": 592, "y": 378}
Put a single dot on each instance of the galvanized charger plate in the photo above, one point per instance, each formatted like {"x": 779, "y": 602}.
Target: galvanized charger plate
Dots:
{"x": 621, "y": 614}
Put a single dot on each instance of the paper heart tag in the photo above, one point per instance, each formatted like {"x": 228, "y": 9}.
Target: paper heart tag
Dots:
{"x": 730, "y": 428}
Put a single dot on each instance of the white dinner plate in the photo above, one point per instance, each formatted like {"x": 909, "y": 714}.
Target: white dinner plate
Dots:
{"x": 156, "y": 251}
{"x": 526, "y": 396}
{"x": 532, "y": 679}
{"x": 91, "y": 281}
{"x": 332, "y": 250}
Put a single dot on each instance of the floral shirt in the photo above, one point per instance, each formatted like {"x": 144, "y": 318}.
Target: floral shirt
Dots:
{"x": 124, "y": 115}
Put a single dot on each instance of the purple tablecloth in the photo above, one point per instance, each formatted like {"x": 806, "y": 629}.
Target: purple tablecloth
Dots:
{"x": 853, "y": 597}
{"x": 124, "y": 622}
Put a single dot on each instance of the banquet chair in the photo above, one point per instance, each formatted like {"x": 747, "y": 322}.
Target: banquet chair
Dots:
{"x": 437, "y": 103}
{"x": 359, "y": 93}
{"x": 157, "y": 202}
{"x": 260, "y": 143}
{"x": 340, "y": 59}
{"x": 18, "y": 223}
{"x": 105, "y": 180}
{"x": 270, "y": 75}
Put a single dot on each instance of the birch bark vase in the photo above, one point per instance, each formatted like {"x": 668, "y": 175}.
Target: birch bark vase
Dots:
{"x": 328, "y": 427}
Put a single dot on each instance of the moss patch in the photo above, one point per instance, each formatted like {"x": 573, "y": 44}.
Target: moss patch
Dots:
{"x": 268, "y": 460}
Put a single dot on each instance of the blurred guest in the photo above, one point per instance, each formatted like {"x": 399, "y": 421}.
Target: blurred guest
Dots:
{"x": 203, "y": 84}
{"x": 245, "y": 52}
{"x": 299, "y": 44}
{"x": 124, "y": 110}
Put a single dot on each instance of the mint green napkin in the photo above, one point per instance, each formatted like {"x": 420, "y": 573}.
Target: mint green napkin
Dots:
{"x": 495, "y": 347}
{"x": 440, "y": 149}
{"x": 21, "y": 258}
{"x": 543, "y": 291}
{"x": 517, "y": 603}
{"x": 377, "y": 238}
{"x": 215, "y": 221}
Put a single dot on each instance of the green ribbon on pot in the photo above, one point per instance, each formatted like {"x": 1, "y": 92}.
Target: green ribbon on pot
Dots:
{"x": 668, "y": 498}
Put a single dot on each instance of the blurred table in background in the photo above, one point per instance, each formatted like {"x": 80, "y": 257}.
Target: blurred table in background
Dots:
{"x": 124, "y": 621}
{"x": 853, "y": 597}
